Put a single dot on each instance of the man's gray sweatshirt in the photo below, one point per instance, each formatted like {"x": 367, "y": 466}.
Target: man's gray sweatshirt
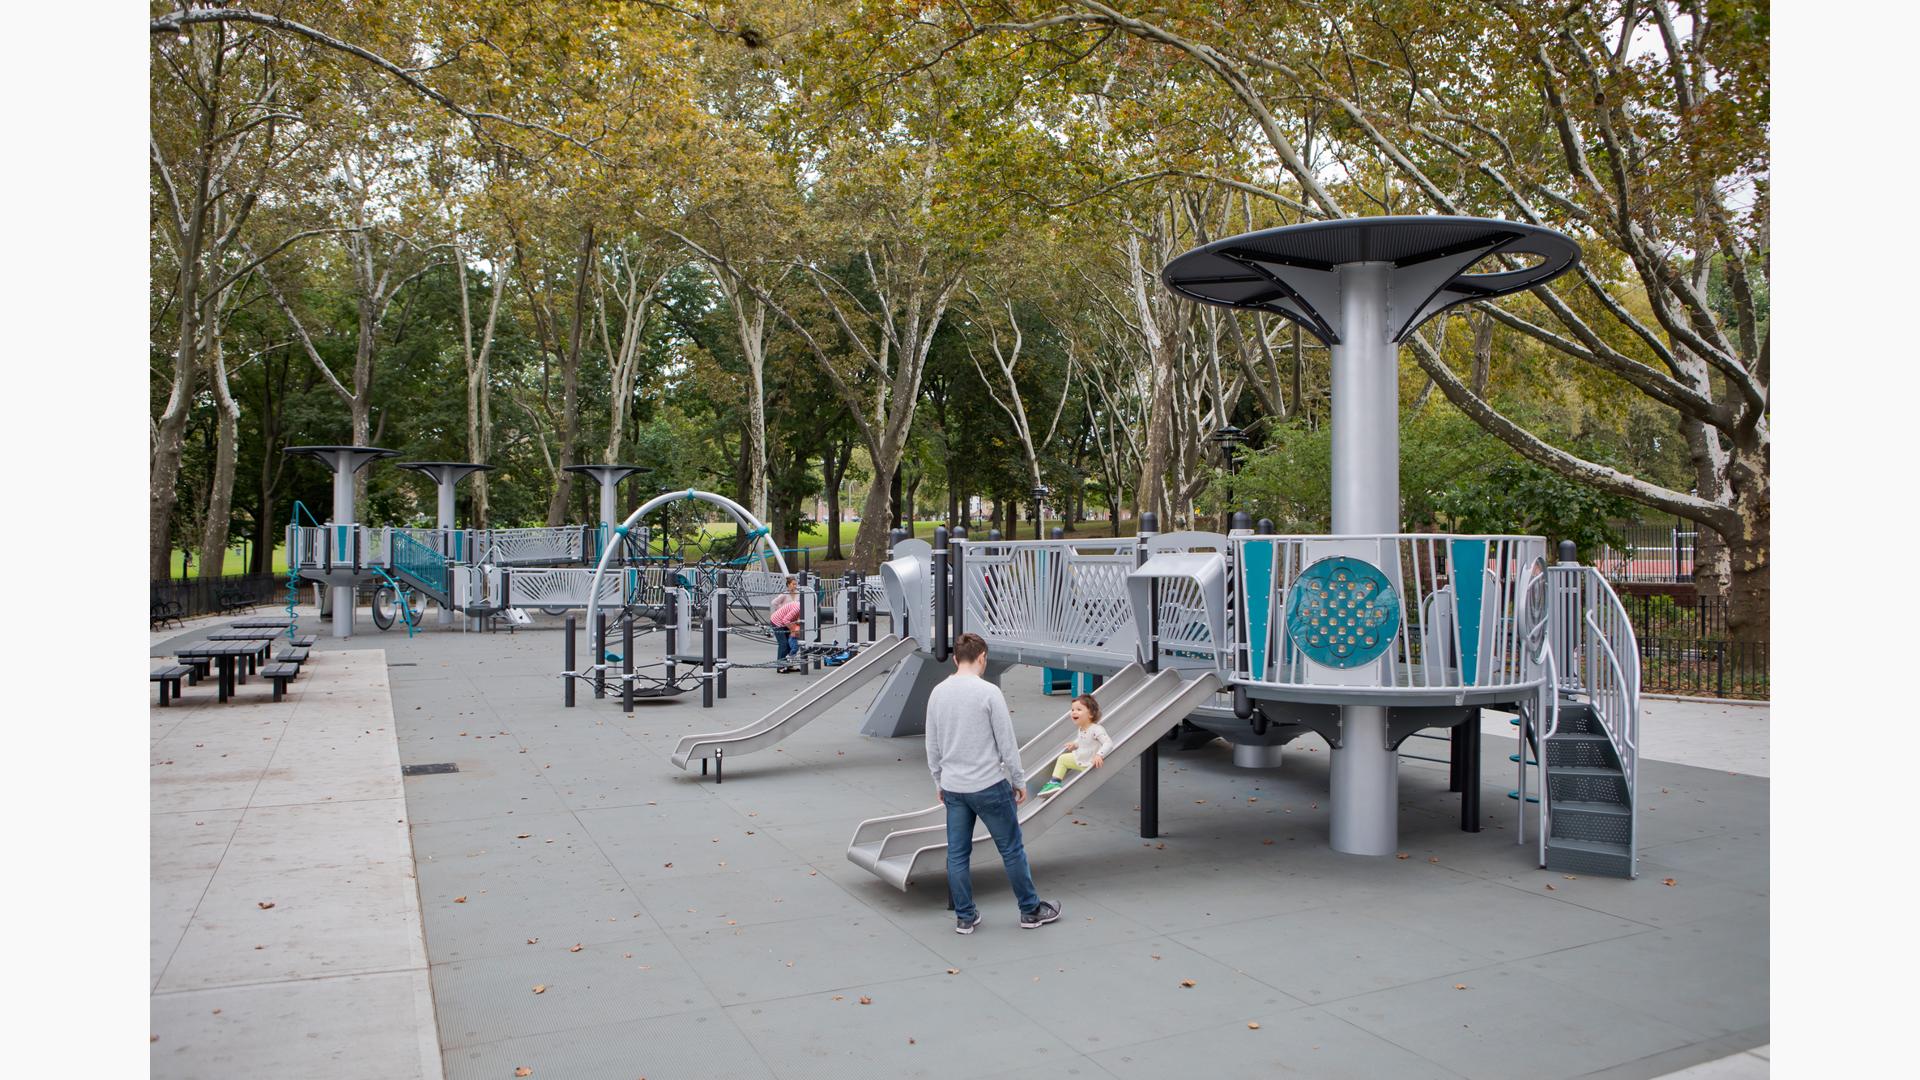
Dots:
{"x": 970, "y": 740}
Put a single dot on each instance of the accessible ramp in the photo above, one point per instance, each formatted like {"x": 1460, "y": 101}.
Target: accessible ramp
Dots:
{"x": 1136, "y": 709}
{"x": 797, "y": 711}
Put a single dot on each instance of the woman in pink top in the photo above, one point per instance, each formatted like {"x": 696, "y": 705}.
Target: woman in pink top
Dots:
{"x": 786, "y": 622}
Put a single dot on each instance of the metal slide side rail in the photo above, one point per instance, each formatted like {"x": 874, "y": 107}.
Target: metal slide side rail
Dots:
{"x": 871, "y": 834}
{"x": 1139, "y": 719}
{"x": 565, "y": 544}
{"x": 1460, "y": 628}
{"x": 1067, "y": 593}
{"x": 797, "y": 711}
{"x": 563, "y": 587}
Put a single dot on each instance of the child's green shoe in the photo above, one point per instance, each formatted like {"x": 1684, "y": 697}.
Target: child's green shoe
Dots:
{"x": 1052, "y": 786}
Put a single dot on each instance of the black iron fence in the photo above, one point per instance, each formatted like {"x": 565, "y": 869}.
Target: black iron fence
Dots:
{"x": 1650, "y": 553}
{"x": 209, "y": 596}
{"x": 1684, "y": 648}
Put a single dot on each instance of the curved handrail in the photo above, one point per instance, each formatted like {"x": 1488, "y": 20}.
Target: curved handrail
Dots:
{"x": 400, "y": 594}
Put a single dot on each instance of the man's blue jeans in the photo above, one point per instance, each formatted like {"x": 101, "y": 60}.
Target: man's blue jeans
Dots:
{"x": 994, "y": 806}
{"x": 783, "y": 643}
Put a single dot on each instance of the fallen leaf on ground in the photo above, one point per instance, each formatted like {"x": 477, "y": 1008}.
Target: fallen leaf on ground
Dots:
{"x": 1253, "y": 1025}
{"x": 839, "y": 997}
{"x": 522, "y": 836}
{"x": 1433, "y": 858}
{"x": 576, "y": 948}
{"x": 865, "y": 1000}
{"x": 265, "y": 904}
{"x": 1669, "y": 881}
{"x": 540, "y": 988}
{"x": 1188, "y": 983}
{"x": 216, "y": 1012}
{"x": 153, "y": 1038}
{"x": 953, "y": 971}
{"x": 1459, "y": 986}
{"x": 668, "y": 865}
{"x": 1266, "y": 841}
{"x": 1156, "y": 956}
{"x": 523, "y": 1071}
{"x": 1402, "y": 855}
{"x": 911, "y": 1040}
{"x": 1550, "y": 887}
{"x": 533, "y": 941}
{"x": 459, "y": 899}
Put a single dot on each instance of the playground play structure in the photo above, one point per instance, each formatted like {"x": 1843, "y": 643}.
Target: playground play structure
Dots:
{"x": 1366, "y": 636}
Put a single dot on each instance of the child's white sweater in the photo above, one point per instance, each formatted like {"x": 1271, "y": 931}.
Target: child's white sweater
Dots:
{"x": 1092, "y": 740}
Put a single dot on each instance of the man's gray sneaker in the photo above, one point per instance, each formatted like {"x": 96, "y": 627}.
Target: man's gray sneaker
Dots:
{"x": 963, "y": 926}
{"x": 1039, "y": 916}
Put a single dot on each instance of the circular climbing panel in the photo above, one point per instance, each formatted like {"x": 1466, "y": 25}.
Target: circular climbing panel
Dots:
{"x": 1342, "y": 612}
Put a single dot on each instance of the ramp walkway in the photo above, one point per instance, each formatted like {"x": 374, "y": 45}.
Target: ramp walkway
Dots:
{"x": 1137, "y": 709}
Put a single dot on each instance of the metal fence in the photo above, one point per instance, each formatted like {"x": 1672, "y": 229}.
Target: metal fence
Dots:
{"x": 1684, "y": 648}
{"x": 206, "y": 596}
{"x": 1652, "y": 553}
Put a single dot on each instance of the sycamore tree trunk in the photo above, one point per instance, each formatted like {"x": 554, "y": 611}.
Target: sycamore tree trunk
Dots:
{"x": 218, "y": 522}
{"x": 570, "y": 386}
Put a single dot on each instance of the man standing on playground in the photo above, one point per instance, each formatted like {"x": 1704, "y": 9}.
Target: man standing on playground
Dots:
{"x": 975, "y": 761}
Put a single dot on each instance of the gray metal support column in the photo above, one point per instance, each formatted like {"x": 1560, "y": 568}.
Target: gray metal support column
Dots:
{"x": 1365, "y": 779}
{"x": 343, "y": 514}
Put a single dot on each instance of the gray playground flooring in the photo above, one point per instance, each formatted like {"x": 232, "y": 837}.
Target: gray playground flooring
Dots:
{"x": 722, "y": 932}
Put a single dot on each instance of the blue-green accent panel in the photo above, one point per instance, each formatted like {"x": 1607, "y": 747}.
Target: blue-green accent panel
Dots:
{"x": 1342, "y": 612}
{"x": 1469, "y": 581}
{"x": 1257, "y": 574}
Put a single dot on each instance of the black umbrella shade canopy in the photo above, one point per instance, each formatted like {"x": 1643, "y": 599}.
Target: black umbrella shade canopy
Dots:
{"x": 1437, "y": 262}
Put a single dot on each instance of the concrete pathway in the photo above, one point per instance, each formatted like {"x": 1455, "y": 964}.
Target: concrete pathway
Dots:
{"x": 286, "y": 932}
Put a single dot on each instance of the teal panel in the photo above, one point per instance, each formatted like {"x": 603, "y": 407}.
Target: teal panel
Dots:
{"x": 1469, "y": 582}
{"x": 1342, "y": 612}
{"x": 1256, "y": 576}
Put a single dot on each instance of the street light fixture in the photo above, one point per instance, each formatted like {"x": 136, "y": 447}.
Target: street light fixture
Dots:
{"x": 1040, "y": 493}
{"x": 1229, "y": 439}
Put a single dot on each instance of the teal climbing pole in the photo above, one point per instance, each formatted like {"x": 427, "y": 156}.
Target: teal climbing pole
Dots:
{"x": 293, "y": 571}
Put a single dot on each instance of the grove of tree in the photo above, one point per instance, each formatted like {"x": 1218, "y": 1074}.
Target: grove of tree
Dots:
{"x": 908, "y": 252}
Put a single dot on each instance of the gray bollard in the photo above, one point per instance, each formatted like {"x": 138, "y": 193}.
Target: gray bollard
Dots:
{"x": 626, "y": 661}
{"x": 721, "y": 634}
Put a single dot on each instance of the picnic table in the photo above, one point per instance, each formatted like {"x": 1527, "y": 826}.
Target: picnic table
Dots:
{"x": 230, "y": 657}
{"x": 263, "y": 622}
{"x": 262, "y": 642}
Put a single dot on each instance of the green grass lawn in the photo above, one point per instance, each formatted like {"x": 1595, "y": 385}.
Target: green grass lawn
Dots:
{"x": 235, "y": 563}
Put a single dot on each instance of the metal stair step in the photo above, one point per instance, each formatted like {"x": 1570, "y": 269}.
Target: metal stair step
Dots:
{"x": 1589, "y": 857}
{"x": 1581, "y": 750}
{"x": 1589, "y": 770}
{"x": 1581, "y": 806}
{"x": 1590, "y": 821}
{"x": 1586, "y": 784}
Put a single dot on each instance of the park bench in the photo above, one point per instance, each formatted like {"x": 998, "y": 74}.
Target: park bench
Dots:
{"x": 169, "y": 677}
{"x": 201, "y": 665}
{"x": 166, "y": 611}
{"x": 281, "y": 674}
{"x": 295, "y": 657}
{"x": 235, "y": 600}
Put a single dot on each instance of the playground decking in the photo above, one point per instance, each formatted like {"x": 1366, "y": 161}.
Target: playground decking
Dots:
{"x": 722, "y": 931}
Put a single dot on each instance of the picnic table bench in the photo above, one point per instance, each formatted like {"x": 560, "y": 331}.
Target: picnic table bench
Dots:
{"x": 170, "y": 676}
{"x": 231, "y": 657}
{"x": 263, "y": 622}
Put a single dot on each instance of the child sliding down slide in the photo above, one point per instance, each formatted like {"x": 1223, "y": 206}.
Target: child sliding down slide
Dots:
{"x": 1088, "y": 750}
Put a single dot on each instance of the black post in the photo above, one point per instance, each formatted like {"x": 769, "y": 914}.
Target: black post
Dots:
{"x": 1456, "y": 755}
{"x": 957, "y": 557}
{"x": 940, "y": 585}
{"x": 706, "y": 659}
{"x": 599, "y": 644}
{"x": 719, "y": 764}
{"x": 672, "y": 597}
{"x": 1056, "y": 533}
{"x": 1470, "y": 773}
{"x": 626, "y": 661}
{"x": 721, "y": 635}
{"x": 1265, "y": 526}
{"x": 1150, "y": 791}
{"x": 572, "y": 633}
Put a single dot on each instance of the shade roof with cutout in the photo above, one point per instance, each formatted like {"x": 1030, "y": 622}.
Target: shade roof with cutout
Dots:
{"x": 1293, "y": 271}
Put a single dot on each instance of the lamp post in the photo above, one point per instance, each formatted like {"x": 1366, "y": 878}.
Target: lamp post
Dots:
{"x": 1040, "y": 493}
{"x": 1229, "y": 439}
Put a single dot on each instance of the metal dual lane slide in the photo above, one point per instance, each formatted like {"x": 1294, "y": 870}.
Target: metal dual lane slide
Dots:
{"x": 797, "y": 711}
{"x": 1136, "y": 710}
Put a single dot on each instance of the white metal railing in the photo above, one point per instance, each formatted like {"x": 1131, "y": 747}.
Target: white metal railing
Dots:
{"x": 347, "y": 546}
{"x": 575, "y": 544}
{"x": 1591, "y": 630}
{"x": 1461, "y": 622}
{"x": 1065, "y": 593}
